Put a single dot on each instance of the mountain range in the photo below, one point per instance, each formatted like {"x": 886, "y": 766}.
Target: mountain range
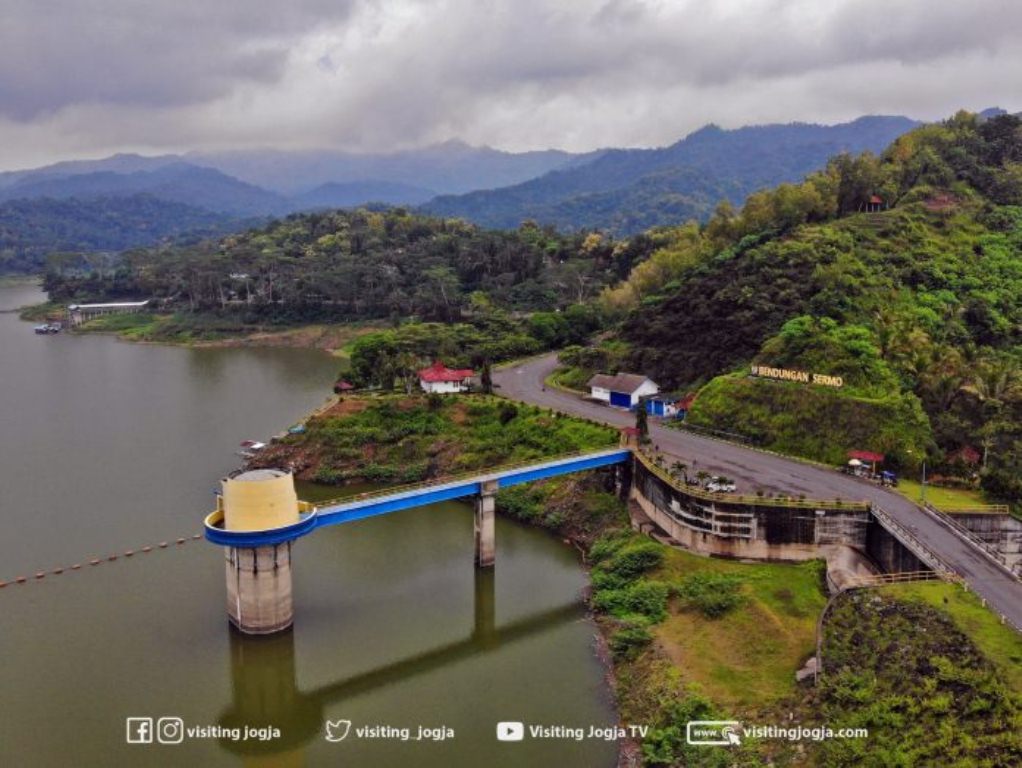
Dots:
{"x": 621, "y": 191}
{"x": 629, "y": 190}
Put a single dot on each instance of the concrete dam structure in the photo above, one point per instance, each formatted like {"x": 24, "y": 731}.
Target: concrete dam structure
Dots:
{"x": 765, "y": 528}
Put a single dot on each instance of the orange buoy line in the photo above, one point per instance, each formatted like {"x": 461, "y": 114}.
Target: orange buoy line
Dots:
{"x": 40, "y": 575}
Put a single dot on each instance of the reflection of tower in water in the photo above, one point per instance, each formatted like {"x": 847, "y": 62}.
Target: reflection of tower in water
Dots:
{"x": 265, "y": 694}
{"x": 265, "y": 688}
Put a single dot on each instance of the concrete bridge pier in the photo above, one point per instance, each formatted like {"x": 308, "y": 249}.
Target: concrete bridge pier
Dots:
{"x": 623, "y": 480}
{"x": 259, "y": 598}
{"x": 485, "y": 524}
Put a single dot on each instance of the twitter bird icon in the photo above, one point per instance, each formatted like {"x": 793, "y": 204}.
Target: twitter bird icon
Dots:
{"x": 337, "y": 730}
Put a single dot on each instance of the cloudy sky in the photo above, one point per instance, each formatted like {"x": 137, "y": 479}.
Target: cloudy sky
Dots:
{"x": 85, "y": 78}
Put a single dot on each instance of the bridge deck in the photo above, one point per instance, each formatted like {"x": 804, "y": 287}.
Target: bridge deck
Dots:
{"x": 396, "y": 499}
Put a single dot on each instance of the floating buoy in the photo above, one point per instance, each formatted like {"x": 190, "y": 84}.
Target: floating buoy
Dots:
{"x": 112, "y": 558}
{"x": 147, "y": 549}
{"x": 129, "y": 552}
{"x": 163, "y": 545}
{"x": 21, "y": 579}
{"x": 197, "y": 536}
{"x": 40, "y": 575}
{"x": 94, "y": 561}
{"x": 3, "y": 584}
{"x": 180, "y": 541}
{"x": 58, "y": 570}
{"x": 76, "y": 566}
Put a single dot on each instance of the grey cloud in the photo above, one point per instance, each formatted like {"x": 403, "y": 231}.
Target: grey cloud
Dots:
{"x": 384, "y": 74}
{"x": 55, "y": 54}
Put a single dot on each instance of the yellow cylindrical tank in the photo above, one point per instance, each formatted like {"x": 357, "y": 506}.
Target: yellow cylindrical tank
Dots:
{"x": 259, "y": 499}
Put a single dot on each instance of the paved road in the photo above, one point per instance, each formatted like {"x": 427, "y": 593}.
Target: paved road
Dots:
{"x": 753, "y": 469}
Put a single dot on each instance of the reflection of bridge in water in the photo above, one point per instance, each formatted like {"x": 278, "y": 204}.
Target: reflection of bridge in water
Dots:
{"x": 266, "y": 693}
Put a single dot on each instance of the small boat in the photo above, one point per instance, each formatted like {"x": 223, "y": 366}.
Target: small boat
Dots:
{"x": 41, "y": 329}
{"x": 249, "y": 448}
{"x": 48, "y": 328}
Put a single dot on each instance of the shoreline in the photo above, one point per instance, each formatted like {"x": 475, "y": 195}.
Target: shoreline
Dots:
{"x": 330, "y": 338}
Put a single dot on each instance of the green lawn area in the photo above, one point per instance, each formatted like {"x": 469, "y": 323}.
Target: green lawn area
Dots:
{"x": 569, "y": 378}
{"x": 941, "y": 497}
{"x": 137, "y": 326}
{"x": 998, "y": 642}
{"x": 748, "y": 656}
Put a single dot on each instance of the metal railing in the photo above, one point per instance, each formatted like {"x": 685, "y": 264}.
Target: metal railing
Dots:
{"x": 910, "y": 540}
{"x": 970, "y": 536}
{"x": 979, "y": 509}
{"x": 880, "y": 579}
{"x": 481, "y": 474}
{"x": 759, "y": 501}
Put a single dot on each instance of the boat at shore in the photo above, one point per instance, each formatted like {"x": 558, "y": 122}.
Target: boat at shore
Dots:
{"x": 249, "y": 448}
{"x": 48, "y": 328}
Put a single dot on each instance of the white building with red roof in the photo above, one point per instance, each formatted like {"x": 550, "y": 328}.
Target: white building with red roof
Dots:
{"x": 440, "y": 379}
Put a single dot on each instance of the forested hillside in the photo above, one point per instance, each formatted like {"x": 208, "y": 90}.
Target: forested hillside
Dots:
{"x": 627, "y": 191}
{"x": 365, "y": 265}
{"x": 30, "y": 230}
{"x": 918, "y": 304}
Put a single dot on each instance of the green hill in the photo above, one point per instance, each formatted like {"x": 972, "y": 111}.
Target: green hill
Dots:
{"x": 917, "y": 305}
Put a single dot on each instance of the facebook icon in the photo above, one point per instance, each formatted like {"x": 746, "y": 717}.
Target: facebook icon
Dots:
{"x": 140, "y": 730}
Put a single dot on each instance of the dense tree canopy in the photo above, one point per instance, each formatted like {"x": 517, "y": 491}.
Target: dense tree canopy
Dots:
{"x": 923, "y": 296}
{"x": 364, "y": 264}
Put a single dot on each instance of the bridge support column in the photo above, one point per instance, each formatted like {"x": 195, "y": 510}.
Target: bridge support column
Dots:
{"x": 485, "y": 524}
{"x": 259, "y": 578}
{"x": 623, "y": 480}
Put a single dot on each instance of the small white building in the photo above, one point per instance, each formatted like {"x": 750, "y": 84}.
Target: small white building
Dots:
{"x": 440, "y": 379}
{"x": 624, "y": 390}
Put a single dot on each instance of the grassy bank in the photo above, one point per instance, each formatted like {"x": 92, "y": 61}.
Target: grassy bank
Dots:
{"x": 40, "y": 312}
{"x": 811, "y": 422}
{"x": 1000, "y": 644}
{"x": 406, "y": 438}
{"x": 942, "y": 497}
{"x": 213, "y": 330}
{"x": 11, "y": 280}
{"x": 701, "y": 638}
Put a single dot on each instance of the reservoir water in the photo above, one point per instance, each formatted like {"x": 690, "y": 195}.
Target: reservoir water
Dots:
{"x": 107, "y": 447}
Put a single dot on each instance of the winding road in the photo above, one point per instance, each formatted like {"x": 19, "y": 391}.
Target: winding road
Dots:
{"x": 753, "y": 469}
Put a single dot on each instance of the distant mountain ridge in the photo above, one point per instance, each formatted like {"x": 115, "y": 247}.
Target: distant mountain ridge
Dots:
{"x": 453, "y": 167}
{"x": 175, "y": 182}
{"x": 628, "y": 190}
{"x": 354, "y": 193}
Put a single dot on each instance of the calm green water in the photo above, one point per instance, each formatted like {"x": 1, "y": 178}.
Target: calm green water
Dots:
{"x": 107, "y": 446}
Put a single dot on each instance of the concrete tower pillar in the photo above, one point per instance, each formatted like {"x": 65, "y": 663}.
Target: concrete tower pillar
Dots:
{"x": 485, "y": 524}
{"x": 259, "y": 578}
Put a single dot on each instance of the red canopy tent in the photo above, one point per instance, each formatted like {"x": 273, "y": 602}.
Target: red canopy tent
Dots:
{"x": 868, "y": 457}
{"x": 873, "y": 458}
